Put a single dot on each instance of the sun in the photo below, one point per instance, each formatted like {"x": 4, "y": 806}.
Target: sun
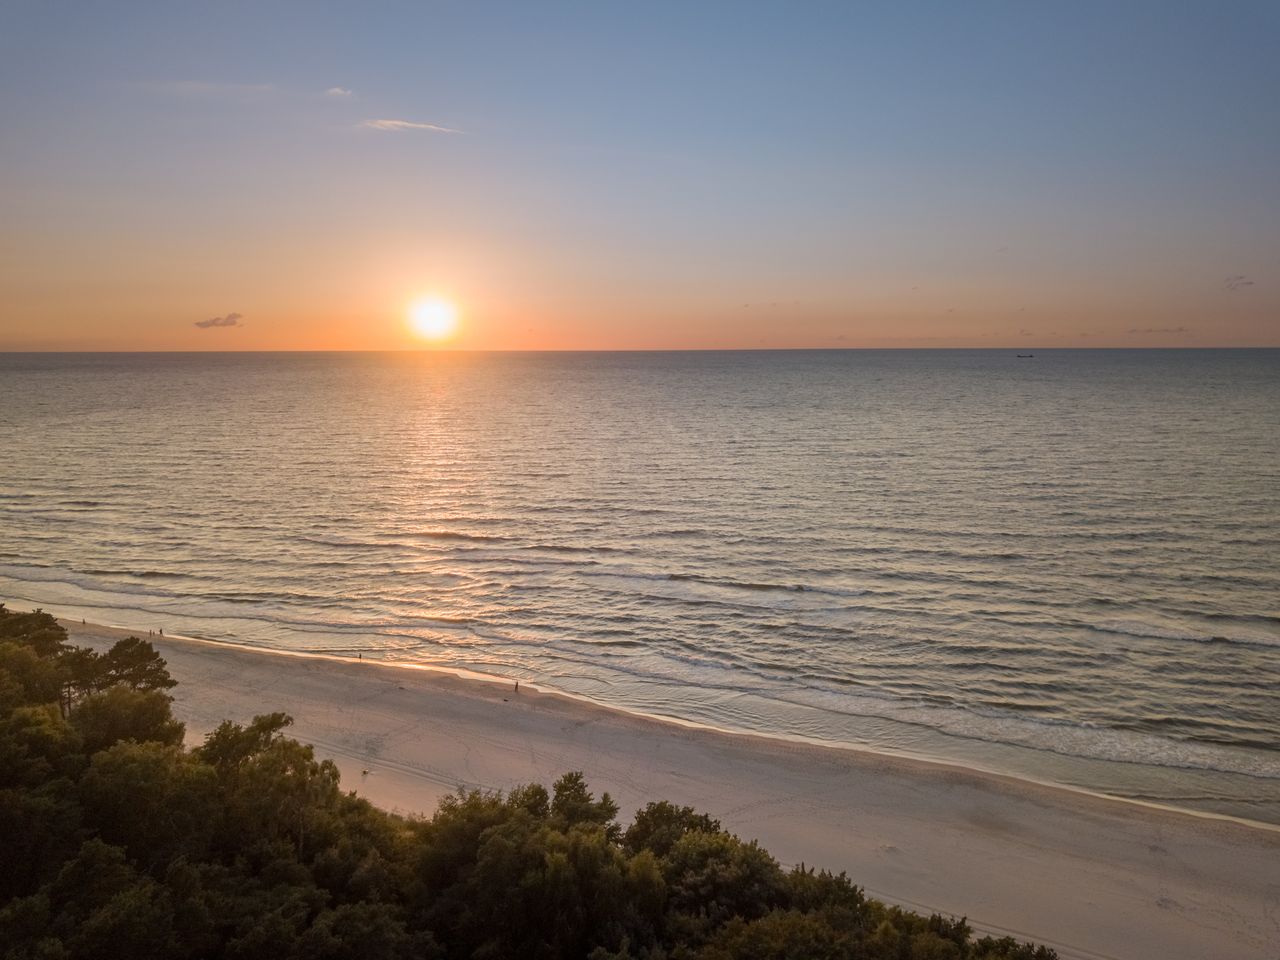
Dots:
{"x": 433, "y": 318}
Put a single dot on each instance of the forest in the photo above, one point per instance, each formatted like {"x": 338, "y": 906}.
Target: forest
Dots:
{"x": 118, "y": 840}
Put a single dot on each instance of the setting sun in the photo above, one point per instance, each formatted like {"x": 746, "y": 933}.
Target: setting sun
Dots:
{"x": 433, "y": 319}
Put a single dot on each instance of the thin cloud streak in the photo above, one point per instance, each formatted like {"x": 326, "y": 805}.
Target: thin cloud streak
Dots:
{"x": 395, "y": 125}
{"x": 340, "y": 93}
{"x": 230, "y": 320}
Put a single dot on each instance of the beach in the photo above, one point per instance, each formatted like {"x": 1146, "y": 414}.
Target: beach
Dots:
{"x": 1090, "y": 876}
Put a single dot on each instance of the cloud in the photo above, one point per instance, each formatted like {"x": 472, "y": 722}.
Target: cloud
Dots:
{"x": 339, "y": 93}
{"x": 1161, "y": 330}
{"x": 1237, "y": 282}
{"x": 230, "y": 320}
{"x": 407, "y": 125}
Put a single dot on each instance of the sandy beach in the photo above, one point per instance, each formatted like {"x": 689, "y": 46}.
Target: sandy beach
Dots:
{"x": 1092, "y": 877}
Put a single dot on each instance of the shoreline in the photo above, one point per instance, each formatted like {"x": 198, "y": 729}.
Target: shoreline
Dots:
{"x": 1090, "y": 876}
{"x": 472, "y": 676}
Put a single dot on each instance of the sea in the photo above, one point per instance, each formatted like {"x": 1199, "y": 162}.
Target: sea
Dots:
{"x": 1063, "y": 567}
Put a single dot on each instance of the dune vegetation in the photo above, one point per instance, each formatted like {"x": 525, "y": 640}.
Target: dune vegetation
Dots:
{"x": 119, "y": 841}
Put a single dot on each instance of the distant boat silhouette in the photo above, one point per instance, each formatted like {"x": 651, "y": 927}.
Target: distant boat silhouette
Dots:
{"x": 1026, "y": 356}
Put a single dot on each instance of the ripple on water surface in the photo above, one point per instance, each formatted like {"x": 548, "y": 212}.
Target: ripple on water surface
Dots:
{"x": 1061, "y": 569}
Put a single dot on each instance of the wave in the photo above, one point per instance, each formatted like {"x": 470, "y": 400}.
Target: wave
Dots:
{"x": 1149, "y": 631}
{"x": 142, "y": 574}
{"x": 566, "y": 548}
{"x": 1242, "y": 617}
{"x": 988, "y": 725}
{"x": 1047, "y": 734}
{"x": 458, "y": 535}
{"x": 349, "y": 544}
{"x": 695, "y": 668}
{"x": 727, "y": 584}
{"x": 173, "y": 600}
{"x": 193, "y": 619}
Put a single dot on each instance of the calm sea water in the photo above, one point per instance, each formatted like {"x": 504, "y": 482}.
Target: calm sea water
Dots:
{"x": 1063, "y": 567}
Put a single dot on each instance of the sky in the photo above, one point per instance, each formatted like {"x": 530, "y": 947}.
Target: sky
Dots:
{"x": 607, "y": 175}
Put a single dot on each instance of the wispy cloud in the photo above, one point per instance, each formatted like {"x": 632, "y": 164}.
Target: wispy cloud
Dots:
{"x": 230, "y": 320}
{"x": 407, "y": 125}
{"x": 1237, "y": 282}
{"x": 340, "y": 93}
{"x": 1161, "y": 330}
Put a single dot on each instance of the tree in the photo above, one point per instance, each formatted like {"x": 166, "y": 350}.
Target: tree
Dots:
{"x": 119, "y": 713}
{"x": 152, "y": 799}
{"x": 37, "y": 745}
{"x": 449, "y": 843}
{"x": 38, "y": 630}
{"x": 230, "y": 746}
{"x": 782, "y": 935}
{"x": 809, "y": 889}
{"x": 26, "y": 678}
{"x": 282, "y": 793}
{"x": 40, "y": 829}
{"x": 572, "y": 803}
{"x": 136, "y": 664}
{"x": 717, "y": 876}
{"x": 135, "y": 923}
{"x": 363, "y": 931}
{"x": 82, "y": 675}
{"x": 657, "y": 826}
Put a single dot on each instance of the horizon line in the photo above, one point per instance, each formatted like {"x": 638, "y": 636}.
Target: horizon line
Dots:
{"x": 461, "y": 350}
